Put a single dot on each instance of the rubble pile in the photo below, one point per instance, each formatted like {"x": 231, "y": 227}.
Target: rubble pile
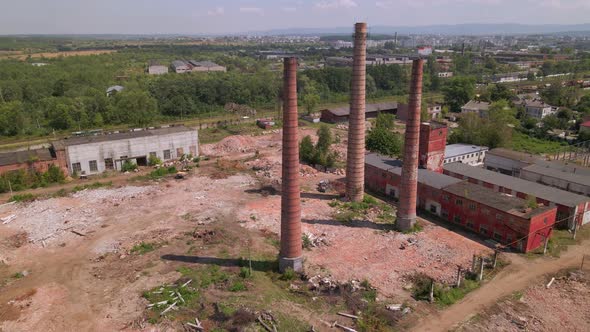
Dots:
{"x": 229, "y": 145}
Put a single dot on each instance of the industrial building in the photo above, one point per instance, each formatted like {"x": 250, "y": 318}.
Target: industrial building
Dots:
{"x": 434, "y": 112}
{"x": 571, "y": 208}
{"x": 37, "y": 160}
{"x": 566, "y": 176}
{"x": 342, "y": 114}
{"x": 465, "y": 153}
{"x": 480, "y": 108}
{"x": 96, "y": 154}
{"x": 180, "y": 66}
{"x": 155, "y": 68}
{"x": 504, "y": 218}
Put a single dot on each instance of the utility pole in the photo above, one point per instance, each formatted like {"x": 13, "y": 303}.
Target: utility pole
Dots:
{"x": 10, "y": 188}
{"x": 458, "y": 284}
{"x": 575, "y": 228}
{"x": 495, "y": 259}
{"x": 545, "y": 246}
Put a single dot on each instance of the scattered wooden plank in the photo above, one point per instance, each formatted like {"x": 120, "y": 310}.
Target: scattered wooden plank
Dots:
{"x": 264, "y": 324}
{"x": 345, "y": 328}
{"x": 551, "y": 282}
{"x": 186, "y": 283}
{"x": 77, "y": 233}
{"x": 168, "y": 309}
{"x": 348, "y": 315}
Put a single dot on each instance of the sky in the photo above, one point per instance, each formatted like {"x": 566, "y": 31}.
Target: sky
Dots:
{"x": 235, "y": 16}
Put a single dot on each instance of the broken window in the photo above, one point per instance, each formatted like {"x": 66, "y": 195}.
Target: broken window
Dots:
{"x": 483, "y": 230}
{"x": 93, "y": 165}
{"x": 433, "y": 208}
{"x": 76, "y": 167}
{"x": 459, "y": 202}
{"x": 457, "y": 219}
{"x": 472, "y": 206}
{"x": 167, "y": 154}
{"x": 469, "y": 224}
{"x": 108, "y": 163}
{"x": 179, "y": 152}
{"x": 497, "y": 236}
{"x": 445, "y": 214}
{"x": 499, "y": 216}
{"x": 193, "y": 150}
{"x": 153, "y": 155}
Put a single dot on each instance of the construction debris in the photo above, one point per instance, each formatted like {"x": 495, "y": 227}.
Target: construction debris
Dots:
{"x": 8, "y": 219}
{"x": 348, "y": 315}
{"x": 550, "y": 282}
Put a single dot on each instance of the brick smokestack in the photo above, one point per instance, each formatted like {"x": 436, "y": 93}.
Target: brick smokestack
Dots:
{"x": 406, "y": 213}
{"x": 355, "y": 163}
{"x": 291, "y": 246}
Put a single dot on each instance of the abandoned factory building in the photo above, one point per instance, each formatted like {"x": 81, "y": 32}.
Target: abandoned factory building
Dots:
{"x": 504, "y": 218}
{"x": 96, "y": 154}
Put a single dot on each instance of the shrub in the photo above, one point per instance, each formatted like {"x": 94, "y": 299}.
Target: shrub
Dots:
{"x": 128, "y": 166}
{"x": 154, "y": 160}
{"x": 23, "y": 198}
{"x": 143, "y": 248}
{"x": 288, "y": 275}
{"x": 306, "y": 241}
{"x": 245, "y": 272}
{"x": 238, "y": 286}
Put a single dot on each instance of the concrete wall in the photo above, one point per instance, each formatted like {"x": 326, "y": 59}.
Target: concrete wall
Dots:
{"x": 134, "y": 147}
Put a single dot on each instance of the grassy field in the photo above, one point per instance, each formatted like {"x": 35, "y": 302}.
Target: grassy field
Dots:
{"x": 524, "y": 143}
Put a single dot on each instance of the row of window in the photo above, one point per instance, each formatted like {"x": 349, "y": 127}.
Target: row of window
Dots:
{"x": 109, "y": 163}
{"x": 483, "y": 229}
{"x": 463, "y": 157}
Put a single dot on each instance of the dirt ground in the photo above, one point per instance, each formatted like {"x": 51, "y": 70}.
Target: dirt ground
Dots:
{"x": 77, "y": 263}
{"x": 50, "y": 55}
{"x": 562, "y": 307}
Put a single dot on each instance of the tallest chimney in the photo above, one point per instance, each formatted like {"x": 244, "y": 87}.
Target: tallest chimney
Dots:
{"x": 355, "y": 163}
{"x": 406, "y": 213}
{"x": 291, "y": 246}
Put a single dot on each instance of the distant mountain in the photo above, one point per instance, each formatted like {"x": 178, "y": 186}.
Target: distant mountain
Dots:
{"x": 456, "y": 29}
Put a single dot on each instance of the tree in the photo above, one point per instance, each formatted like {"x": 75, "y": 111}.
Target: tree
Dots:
{"x": 310, "y": 97}
{"x": 306, "y": 149}
{"x": 382, "y": 138}
{"x": 499, "y": 92}
{"x": 324, "y": 139}
{"x": 136, "y": 107}
{"x": 458, "y": 91}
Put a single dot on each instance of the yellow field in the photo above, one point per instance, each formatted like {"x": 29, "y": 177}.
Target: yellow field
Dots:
{"x": 22, "y": 56}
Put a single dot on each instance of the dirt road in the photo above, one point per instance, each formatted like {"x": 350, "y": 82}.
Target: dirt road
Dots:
{"x": 517, "y": 276}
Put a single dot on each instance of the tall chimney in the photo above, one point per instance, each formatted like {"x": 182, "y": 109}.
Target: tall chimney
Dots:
{"x": 291, "y": 246}
{"x": 406, "y": 213}
{"x": 355, "y": 163}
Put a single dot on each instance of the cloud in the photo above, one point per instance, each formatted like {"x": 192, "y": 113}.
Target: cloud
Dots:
{"x": 334, "y": 4}
{"x": 252, "y": 10}
{"x": 218, "y": 11}
{"x": 289, "y": 9}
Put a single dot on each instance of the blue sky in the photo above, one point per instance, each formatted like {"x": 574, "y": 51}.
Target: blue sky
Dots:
{"x": 228, "y": 16}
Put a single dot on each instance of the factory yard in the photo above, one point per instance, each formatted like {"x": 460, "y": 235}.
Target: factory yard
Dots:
{"x": 94, "y": 260}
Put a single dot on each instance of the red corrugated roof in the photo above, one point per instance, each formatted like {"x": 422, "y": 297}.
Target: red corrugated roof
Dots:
{"x": 585, "y": 124}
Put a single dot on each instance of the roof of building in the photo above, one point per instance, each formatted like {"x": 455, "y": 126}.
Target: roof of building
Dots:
{"x": 564, "y": 174}
{"x": 179, "y": 63}
{"x": 550, "y": 194}
{"x": 538, "y": 160}
{"x": 370, "y": 108}
{"x": 20, "y": 157}
{"x": 117, "y": 88}
{"x": 207, "y": 64}
{"x": 120, "y": 136}
{"x": 454, "y": 150}
{"x": 536, "y": 103}
{"x": 499, "y": 201}
{"x": 585, "y": 124}
{"x": 428, "y": 177}
{"x": 477, "y": 105}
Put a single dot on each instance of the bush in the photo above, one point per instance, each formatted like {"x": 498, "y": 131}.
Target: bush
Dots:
{"x": 128, "y": 166}
{"x": 238, "y": 286}
{"x": 245, "y": 272}
{"x": 154, "y": 160}
{"x": 288, "y": 275}
{"x": 23, "y": 198}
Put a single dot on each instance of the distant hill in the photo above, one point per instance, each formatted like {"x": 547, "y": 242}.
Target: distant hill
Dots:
{"x": 456, "y": 29}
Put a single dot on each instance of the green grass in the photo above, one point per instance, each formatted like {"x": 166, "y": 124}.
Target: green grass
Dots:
{"x": 349, "y": 211}
{"x": 166, "y": 295}
{"x": 94, "y": 185}
{"x": 18, "y": 275}
{"x": 22, "y": 198}
{"x": 444, "y": 295}
{"x": 144, "y": 248}
{"x": 525, "y": 143}
{"x": 560, "y": 241}
{"x": 162, "y": 172}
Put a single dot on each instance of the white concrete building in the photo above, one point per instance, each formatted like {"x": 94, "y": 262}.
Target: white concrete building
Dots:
{"x": 157, "y": 69}
{"x": 536, "y": 108}
{"x": 480, "y": 108}
{"x": 96, "y": 154}
{"x": 465, "y": 153}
